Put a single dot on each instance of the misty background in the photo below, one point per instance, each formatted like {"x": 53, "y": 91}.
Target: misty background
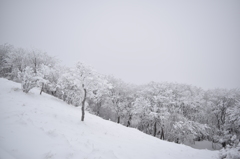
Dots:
{"x": 192, "y": 42}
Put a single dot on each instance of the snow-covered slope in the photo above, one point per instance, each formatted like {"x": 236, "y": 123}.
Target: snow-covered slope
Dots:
{"x": 34, "y": 126}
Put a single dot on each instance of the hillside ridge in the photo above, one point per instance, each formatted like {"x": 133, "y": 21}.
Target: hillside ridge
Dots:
{"x": 42, "y": 126}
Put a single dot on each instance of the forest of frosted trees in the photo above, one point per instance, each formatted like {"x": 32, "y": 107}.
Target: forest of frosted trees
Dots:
{"x": 170, "y": 111}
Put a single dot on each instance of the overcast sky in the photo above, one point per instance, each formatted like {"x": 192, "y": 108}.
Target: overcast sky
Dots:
{"x": 191, "y": 42}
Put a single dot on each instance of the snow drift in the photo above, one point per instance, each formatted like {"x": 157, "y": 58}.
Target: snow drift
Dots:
{"x": 34, "y": 126}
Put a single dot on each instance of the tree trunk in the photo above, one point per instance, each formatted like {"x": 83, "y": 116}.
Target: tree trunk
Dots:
{"x": 35, "y": 65}
{"x": 41, "y": 89}
{"x": 129, "y": 120}
{"x": 162, "y": 134}
{"x": 83, "y": 103}
{"x": 118, "y": 120}
{"x": 99, "y": 104}
{"x": 155, "y": 129}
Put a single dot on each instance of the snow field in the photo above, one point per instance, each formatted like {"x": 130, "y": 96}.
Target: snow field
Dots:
{"x": 34, "y": 126}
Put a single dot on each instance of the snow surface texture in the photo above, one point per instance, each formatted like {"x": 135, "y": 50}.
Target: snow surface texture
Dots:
{"x": 34, "y": 126}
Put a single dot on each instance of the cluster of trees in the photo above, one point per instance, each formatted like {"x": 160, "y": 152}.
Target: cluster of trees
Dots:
{"x": 170, "y": 111}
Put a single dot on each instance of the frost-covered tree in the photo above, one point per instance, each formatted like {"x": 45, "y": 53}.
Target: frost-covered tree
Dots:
{"x": 49, "y": 78}
{"x": 36, "y": 58}
{"x": 141, "y": 109}
{"x": 159, "y": 99}
{"x": 129, "y": 106}
{"x": 170, "y": 109}
{"x": 28, "y": 79}
{"x": 5, "y": 51}
{"x": 86, "y": 81}
{"x": 234, "y": 116}
{"x": 222, "y": 102}
{"x": 80, "y": 83}
{"x": 117, "y": 96}
{"x": 67, "y": 86}
{"x": 100, "y": 96}
{"x": 231, "y": 152}
{"x": 185, "y": 130}
{"x": 16, "y": 62}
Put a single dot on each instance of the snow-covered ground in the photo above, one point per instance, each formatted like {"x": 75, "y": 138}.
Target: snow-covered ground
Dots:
{"x": 204, "y": 145}
{"x": 34, "y": 126}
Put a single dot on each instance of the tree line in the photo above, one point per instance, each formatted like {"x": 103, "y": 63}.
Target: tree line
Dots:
{"x": 170, "y": 111}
